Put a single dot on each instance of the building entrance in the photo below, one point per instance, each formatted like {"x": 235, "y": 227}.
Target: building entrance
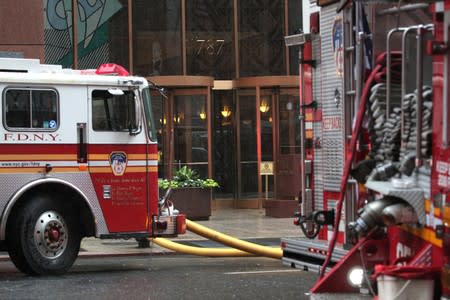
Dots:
{"x": 228, "y": 132}
{"x": 256, "y": 126}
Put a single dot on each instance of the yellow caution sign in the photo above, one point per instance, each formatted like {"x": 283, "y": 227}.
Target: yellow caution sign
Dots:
{"x": 266, "y": 168}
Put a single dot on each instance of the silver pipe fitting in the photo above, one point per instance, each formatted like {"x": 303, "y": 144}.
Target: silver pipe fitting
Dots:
{"x": 381, "y": 212}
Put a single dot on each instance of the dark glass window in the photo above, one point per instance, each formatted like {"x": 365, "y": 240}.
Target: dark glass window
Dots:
{"x": 161, "y": 125}
{"x": 294, "y": 27}
{"x": 157, "y": 38}
{"x": 31, "y": 109}
{"x": 117, "y": 26}
{"x": 148, "y": 112}
{"x": 261, "y": 37}
{"x": 113, "y": 112}
{"x": 209, "y": 40}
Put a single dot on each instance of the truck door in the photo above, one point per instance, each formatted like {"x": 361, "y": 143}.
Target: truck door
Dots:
{"x": 117, "y": 159}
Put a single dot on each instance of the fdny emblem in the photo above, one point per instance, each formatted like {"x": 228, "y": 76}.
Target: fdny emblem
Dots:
{"x": 118, "y": 161}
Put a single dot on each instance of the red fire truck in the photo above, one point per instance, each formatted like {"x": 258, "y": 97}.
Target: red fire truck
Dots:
{"x": 78, "y": 158}
{"x": 375, "y": 205}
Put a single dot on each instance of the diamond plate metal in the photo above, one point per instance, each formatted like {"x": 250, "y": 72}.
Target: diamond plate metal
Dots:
{"x": 413, "y": 195}
{"x": 12, "y": 183}
{"x": 330, "y": 81}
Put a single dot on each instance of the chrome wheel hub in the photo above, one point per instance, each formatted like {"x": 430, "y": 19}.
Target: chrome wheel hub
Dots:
{"x": 50, "y": 234}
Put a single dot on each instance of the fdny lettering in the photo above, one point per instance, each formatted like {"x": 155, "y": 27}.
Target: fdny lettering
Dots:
{"x": 30, "y": 137}
{"x": 403, "y": 251}
{"x": 331, "y": 123}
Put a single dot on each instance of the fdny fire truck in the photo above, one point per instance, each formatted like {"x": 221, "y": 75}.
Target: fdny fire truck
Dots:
{"x": 375, "y": 205}
{"x": 78, "y": 158}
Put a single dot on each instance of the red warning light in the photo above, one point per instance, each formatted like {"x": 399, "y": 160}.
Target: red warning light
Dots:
{"x": 111, "y": 69}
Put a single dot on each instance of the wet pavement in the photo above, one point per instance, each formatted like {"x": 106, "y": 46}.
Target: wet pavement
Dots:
{"x": 247, "y": 224}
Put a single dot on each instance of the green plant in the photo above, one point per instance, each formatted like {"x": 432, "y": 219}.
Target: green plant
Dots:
{"x": 186, "y": 177}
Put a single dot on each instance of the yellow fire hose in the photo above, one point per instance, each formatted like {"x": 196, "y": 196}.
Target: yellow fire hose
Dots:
{"x": 241, "y": 248}
{"x": 234, "y": 242}
{"x": 213, "y": 252}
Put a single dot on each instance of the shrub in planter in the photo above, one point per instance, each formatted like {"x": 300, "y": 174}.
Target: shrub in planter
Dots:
{"x": 189, "y": 193}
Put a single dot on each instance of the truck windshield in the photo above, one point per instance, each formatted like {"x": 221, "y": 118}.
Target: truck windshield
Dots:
{"x": 149, "y": 114}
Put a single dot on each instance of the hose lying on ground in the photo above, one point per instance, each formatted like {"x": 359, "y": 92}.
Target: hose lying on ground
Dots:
{"x": 213, "y": 252}
{"x": 242, "y": 248}
{"x": 234, "y": 242}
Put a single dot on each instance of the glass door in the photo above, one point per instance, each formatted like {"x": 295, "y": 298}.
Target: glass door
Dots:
{"x": 266, "y": 111}
{"x": 182, "y": 130}
{"x": 190, "y": 131}
{"x": 252, "y": 127}
{"x": 247, "y": 145}
{"x": 224, "y": 143}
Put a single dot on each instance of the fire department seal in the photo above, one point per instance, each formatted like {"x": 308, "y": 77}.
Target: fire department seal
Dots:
{"x": 118, "y": 162}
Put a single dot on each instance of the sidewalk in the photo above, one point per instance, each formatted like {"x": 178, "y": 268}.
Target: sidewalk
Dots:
{"x": 248, "y": 224}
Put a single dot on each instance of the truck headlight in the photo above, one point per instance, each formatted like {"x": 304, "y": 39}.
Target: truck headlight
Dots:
{"x": 355, "y": 276}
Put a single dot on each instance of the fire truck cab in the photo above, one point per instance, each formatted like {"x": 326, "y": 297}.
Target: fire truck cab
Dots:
{"x": 375, "y": 125}
{"x": 78, "y": 158}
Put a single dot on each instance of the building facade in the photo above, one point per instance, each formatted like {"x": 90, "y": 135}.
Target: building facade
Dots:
{"x": 232, "y": 85}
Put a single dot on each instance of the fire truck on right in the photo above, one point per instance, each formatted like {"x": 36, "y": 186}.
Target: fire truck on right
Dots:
{"x": 375, "y": 133}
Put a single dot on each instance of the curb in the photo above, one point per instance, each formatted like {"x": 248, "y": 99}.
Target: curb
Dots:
{"x": 6, "y": 257}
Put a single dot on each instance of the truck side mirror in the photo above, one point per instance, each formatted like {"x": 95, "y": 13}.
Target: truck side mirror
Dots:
{"x": 135, "y": 117}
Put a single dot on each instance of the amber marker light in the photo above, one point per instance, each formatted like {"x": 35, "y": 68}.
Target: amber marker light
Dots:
{"x": 82, "y": 167}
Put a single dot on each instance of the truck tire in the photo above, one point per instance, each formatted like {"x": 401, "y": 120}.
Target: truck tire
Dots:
{"x": 43, "y": 237}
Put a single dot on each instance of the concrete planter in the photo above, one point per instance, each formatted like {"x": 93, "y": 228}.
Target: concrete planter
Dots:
{"x": 194, "y": 202}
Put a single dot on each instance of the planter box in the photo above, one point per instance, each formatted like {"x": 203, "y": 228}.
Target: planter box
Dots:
{"x": 195, "y": 203}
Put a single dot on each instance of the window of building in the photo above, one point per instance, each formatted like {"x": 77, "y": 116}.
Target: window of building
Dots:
{"x": 31, "y": 109}
{"x": 113, "y": 112}
{"x": 157, "y": 41}
{"x": 209, "y": 38}
{"x": 261, "y": 38}
{"x": 294, "y": 27}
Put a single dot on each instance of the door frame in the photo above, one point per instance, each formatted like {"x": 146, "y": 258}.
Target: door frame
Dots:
{"x": 260, "y": 90}
{"x": 176, "y": 86}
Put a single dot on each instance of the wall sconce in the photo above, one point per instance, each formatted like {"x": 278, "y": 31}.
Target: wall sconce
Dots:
{"x": 264, "y": 107}
{"x": 178, "y": 117}
{"x": 202, "y": 115}
{"x": 226, "y": 112}
{"x": 163, "y": 121}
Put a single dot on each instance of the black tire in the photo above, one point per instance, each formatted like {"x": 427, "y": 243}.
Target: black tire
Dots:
{"x": 43, "y": 237}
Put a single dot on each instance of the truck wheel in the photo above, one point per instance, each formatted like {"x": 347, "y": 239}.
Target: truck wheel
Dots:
{"x": 43, "y": 237}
